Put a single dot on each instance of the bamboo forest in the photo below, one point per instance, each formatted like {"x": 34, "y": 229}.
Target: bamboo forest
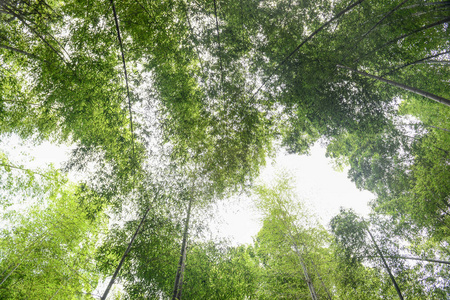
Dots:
{"x": 170, "y": 107}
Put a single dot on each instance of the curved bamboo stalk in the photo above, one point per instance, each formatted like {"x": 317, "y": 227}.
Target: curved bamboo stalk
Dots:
{"x": 402, "y": 86}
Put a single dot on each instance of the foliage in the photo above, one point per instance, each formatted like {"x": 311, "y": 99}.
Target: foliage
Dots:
{"x": 291, "y": 246}
{"x": 214, "y": 85}
{"x": 219, "y": 271}
{"x": 46, "y": 249}
{"x": 359, "y": 264}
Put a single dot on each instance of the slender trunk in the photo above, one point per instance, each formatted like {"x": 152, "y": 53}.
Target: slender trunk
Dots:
{"x": 181, "y": 265}
{"x": 143, "y": 7}
{"x": 24, "y": 170}
{"x": 381, "y": 20}
{"x": 62, "y": 285}
{"x": 116, "y": 21}
{"x": 435, "y": 62}
{"x": 440, "y": 22}
{"x": 18, "y": 101}
{"x": 48, "y": 18}
{"x": 7, "y": 13}
{"x": 445, "y": 202}
{"x": 337, "y": 16}
{"x": 9, "y": 274}
{"x": 220, "y": 48}
{"x": 443, "y": 3}
{"x": 435, "y": 127}
{"x": 78, "y": 274}
{"x": 415, "y": 62}
{"x": 308, "y": 280}
{"x": 12, "y": 10}
{"x": 36, "y": 33}
{"x": 385, "y": 265}
{"x": 21, "y": 52}
{"x": 24, "y": 255}
{"x": 419, "y": 259}
{"x": 402, "y": 86}
{"x": 33, "y": 12}
{"x": 321, "y": 280}
{"x": 435, "y": 147}
{"x": 195, "y": 39}
{"x": 113, "y": 278}
{"x": 424, "y": 125}
{"x": 57, "y": 291}
{"x": 440, "y": 149}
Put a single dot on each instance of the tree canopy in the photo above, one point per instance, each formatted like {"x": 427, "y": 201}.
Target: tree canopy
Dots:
{"x": 170, "y": 106}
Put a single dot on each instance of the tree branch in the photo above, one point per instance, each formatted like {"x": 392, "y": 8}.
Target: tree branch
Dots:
{"x": 440, "y": 22}
{"x": 397, "y": 288}
{"x": 415, "y": 62}
{"x": 119, "y": 266}
{"x": 126, "y": 76}
{"x": 312, "y": 35}
{"x": 402, "y": 86}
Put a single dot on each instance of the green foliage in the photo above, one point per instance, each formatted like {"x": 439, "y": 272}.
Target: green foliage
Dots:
{"x": 219, "y": 271}
{"x": 149, "y": 270}
{"x": 405, "y": 166}
{"x": 291, "y": 246}
{"x": 47, "y": 249}
{"x": 360, "y": 273}
{"x": 20, "y": 185}
{"x": 224, "y": 81}
{"x": 350, "y": 234}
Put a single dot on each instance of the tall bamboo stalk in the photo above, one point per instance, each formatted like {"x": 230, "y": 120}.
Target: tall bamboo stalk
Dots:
{"x": 181, "y": 265}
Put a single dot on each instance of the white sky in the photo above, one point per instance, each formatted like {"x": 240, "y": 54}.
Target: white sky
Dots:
{"x": 21, "y": 152}
{"x": 323, "y": 189}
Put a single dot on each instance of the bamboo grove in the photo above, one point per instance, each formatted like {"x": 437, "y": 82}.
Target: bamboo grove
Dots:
{"x": 172, "y": 106}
